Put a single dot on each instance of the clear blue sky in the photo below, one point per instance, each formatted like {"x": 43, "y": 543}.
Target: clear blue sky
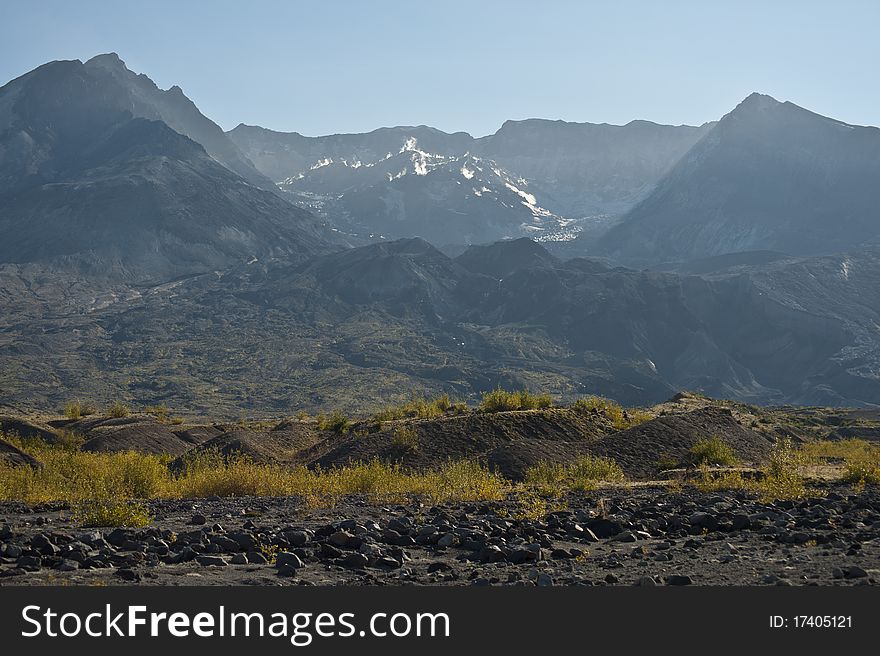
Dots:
{"x": 329, "y": 66}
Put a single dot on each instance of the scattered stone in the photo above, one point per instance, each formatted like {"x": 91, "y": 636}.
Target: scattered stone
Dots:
{"x": 211, "y": 561}
{"x": 288, "y": 559}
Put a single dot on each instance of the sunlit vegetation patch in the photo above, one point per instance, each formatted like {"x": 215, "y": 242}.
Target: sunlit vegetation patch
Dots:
{"x": 585, "y": 473}
{"x": 779, "y": 479}
{"x": 77, "y": 410}
{"x": 335, "y": 422}
{"x": 103, "y": 487}
{"x": 118, "y": 410}
{"x": 612, "y": 411}
{"x": 104, "y": 512}
{"x": 499, "y": 400}
{"x": 711, "y": 451}
{"x": 420, "y": 408}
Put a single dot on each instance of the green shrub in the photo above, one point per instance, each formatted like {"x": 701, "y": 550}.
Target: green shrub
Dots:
{"x": 666, "y": 461}
{"x": 129, "y": 514}
{"x": 862, "y": 471}
{"x": 73, "y": 410}
{"x": 335, "y": 422}
{"x": 499, "y": 400}
{"x": 417, "y": 408}
{"x": 405, "y": 440}
{"x": 118, "y": 410}
{"x": 607, "y": 408}
{"x": 585, "y": 473}
{"x": 711, "y": 451}
{"x": 782, "y": 479}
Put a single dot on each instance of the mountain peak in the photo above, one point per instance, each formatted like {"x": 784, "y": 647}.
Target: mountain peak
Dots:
{"x": 757, "y": 102}
{"x": 106, "y": 60}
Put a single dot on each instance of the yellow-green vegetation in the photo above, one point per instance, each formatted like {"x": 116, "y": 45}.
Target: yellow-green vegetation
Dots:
{"x": 405, "y": 440}
{"x": 585, "y": 473}
{"x": 336, "y": 422}
{"x": 863, "y": 472}
{"x": 77, "y": 410}
{"x": 420, "y": 408}
{"x": 105, "y": 487}
{"x": 160, "y": 412}
{"x": 861, "y": 459}
{"x": 118, "y": 410}
{"x": 106, "y": 512}
{"x": 782, "y": 479}
{"x": 612, "y": 411}
{"x": 711, "y": 451}
{"x": 779, "y": 479}
{"x": 499, "y": 400}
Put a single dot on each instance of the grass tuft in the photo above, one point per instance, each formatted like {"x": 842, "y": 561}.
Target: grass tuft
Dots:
{"x": 118, "y": 410}
{"x": 128, "y": 514}
{"x": 336, "y": 422}
{"x": 612, "y": 411}
{"x": 585, "y": 473}
{"x": 712, "y": 451}
{"x": 499, "y": 400}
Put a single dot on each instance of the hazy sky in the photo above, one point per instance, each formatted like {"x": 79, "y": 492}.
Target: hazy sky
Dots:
{"x": 329, "y": 66}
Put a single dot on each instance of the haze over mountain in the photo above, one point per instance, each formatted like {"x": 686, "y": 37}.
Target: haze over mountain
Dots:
{"x": 138, "y": 261}
{"x": 84, "y": 175}
{"x": 544, "y": 179}
{"x": 769, "y": 176}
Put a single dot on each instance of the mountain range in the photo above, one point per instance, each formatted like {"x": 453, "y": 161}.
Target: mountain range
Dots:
{"x": 148, "y": 255}
{"x": 92, "y": 172}
{"x": 548, "y": 180}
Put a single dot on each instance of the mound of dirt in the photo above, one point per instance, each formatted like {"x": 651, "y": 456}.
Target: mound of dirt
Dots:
{"x": 869, "y": 433}
{"x": 26, "y": 429}
{"x": 279, "y": 446}
{"x": 508, "y": 441}
{"x": 513, "y": 459}
{"x": 196, "y": 435}
{"x": 143, "y": 436}
{"x": 637, "y": 450}
{"x": 11, "y": 455}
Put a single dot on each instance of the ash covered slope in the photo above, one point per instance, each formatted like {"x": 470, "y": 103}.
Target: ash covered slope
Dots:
{"x": 82, "y": 178}
{"x": 769, "y": 176}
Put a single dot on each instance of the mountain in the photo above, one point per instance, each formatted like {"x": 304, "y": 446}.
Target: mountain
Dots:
{"x": 281, "y": 155}
{"x": 144, "y": 99}
{"x": 504, "y": 258}
{"x": 413, "y": 192}
{"x": 84, "y": 179}
{"x": 588, "y": 169}
{"x": 547, "y": 179}
{"x": 770, "y": 176}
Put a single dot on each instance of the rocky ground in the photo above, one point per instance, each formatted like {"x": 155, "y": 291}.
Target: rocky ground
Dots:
{"x": 641, "y": 536}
